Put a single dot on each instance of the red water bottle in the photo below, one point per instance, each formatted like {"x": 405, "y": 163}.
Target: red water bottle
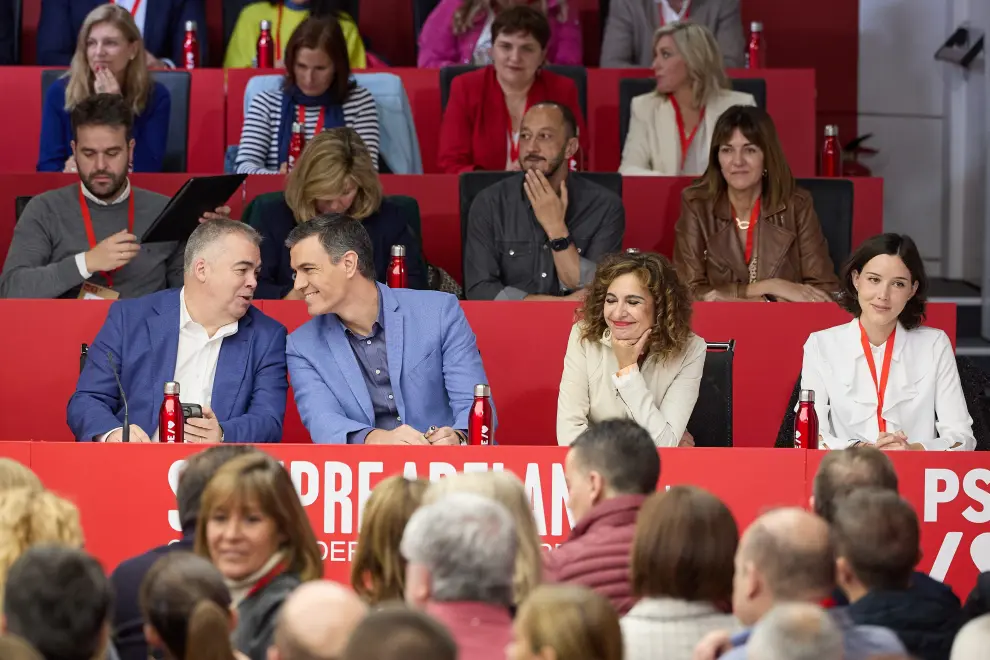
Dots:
{"x": 831, "y": 152}
{"x": 265, "y": 58}
{"x": 756, "y": 52}
{"x": 806, "y": 422}
{"x": 481, "y": 417}
{"x": 170, "y": 419}
{"x": 296, "y": 144}
{"x": 397, "y": 278}
{"x": 190, "y": 47}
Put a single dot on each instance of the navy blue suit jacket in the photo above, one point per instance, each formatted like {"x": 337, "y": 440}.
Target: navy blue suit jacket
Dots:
{"x": 164, "y": 28}
{"x": 249, "y": 390}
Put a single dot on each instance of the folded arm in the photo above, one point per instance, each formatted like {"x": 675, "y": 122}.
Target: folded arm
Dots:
{"x": 321, "y": 412}
{"x": 266, "y": 410}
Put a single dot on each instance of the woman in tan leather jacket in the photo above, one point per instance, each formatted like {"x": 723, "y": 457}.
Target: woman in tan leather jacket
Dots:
{"x": 746, "y": 231}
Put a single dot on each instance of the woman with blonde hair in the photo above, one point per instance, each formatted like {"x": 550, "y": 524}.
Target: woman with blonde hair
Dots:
{"x": 335, "y": 174}
{"x": 565, "y": 622}
{"x": 378, "y": 569}
{"x": 670, "y": 129}
{"x": 506, "y": 489}
{"x": 254, "y": 529}
{"x": 14, "y": 474}
{"x": 109, "y": 59}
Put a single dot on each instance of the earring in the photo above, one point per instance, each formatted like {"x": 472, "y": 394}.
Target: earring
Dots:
{"x": 764, "y": 174}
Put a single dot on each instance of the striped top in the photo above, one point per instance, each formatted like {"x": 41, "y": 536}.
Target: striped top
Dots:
{"x": 258, "y": 149}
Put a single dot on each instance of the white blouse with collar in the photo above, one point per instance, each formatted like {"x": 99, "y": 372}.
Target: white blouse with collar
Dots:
{"x": 924, "y": 397}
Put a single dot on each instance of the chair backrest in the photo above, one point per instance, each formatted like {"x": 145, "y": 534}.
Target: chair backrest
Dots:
{"x": 833, "y": 200}
{"x": 576, "y": 73}
{"x": 711, "y": 419}
{"x": 421, "y": 11}
{"x": 629, "y": 88}
{"x": 20, "y": 203}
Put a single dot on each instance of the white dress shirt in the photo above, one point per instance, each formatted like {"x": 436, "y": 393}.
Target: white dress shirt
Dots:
{"x": 141, "y": 12}
{"x": 81, "y": 257}
{"x": 924, "y": 397}
{"x": 671, "y": 16}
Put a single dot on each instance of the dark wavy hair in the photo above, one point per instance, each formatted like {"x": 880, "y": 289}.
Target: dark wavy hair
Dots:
{"x": 896, "y": 245}
{"x": 671, "y": 298}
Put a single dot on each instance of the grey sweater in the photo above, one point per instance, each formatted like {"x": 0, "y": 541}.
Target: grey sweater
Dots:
{"x": 41, "y": 262}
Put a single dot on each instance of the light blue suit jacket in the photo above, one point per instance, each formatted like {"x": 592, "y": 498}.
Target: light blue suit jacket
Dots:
{"x": 433, "y": 366}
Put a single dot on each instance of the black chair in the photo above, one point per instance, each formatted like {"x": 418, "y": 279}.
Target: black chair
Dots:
{"x": 20, "y": 203}
{"x": 711, "y": 419}
{"x": 833, "y": 200}
{"x": 177, "y": 83}
{"x": 576, "y": 73}
{"x": 421, "y": 11}
{"x": 630, "y": 88}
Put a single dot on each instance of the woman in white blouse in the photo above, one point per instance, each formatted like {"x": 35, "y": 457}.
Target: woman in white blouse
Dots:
{"x": 670, "y": 129}
{"x": 882, "y": 379}
{"x": 633, "y": 354}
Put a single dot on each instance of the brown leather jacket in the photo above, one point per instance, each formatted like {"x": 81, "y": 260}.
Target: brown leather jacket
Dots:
{"x": 789, "y": 245}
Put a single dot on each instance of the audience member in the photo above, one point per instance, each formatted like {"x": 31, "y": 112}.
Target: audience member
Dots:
{"x": 415, "y": 387}
{"x": 566, "y": 622}
{"x": 14, "y": 474}
{"x": 316, "y": 622}
{"x": 9, "y": 29}
{"x": 254, "y": 530}
{"x": 482, "y": 121}
{"x": 632, "y": 354}
{"x": 631, "y": 24}
{"x": 541, "y": 242}
{"x": 162, "y": 24}
{"x": 609, "y": 470}
{"x": 378, "y": 569}
{"x": 318, "y": 93}
{"x": 334, "y": 175}
{"x": 671, "y": 128}
{"x": 461, "y": 553}
{"x": 108, "y": 59}
{"x": 15, "y": 648}
{"x": 226, "y": 355}
{"x": 82, "y": 240}
{"x": 973, "y": 640}
{"x": 682, "y": 566}
{"x": 877, "y": 540}
{"x": 922, "y": 406}
{"x": 462, "y": 32}
{"x": 285, "y": 16}
{"x": 843, "y": 472}
{"x": 796, "y": 631}
{"x": 748, "y": 184}
{"x": 978, "y": 602}
{"x": 398, "y": 633}
{"x": 128, "y": 619}
{"x": 506, "y": 489}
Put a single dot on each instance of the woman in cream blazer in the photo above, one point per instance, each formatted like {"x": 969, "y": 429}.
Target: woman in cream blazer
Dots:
{"x": 670, "y": 129}
{"x": 633, "y": 354}
{"x": 923, "y": 407}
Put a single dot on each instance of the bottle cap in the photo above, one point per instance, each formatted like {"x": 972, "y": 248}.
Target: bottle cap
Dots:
{"x": 398, "y": 250}
{"x": 190, "y": 26}
{"x": 832, "y": 130}
{"x": 632, "y": 250}
{"x": 807, "y": 396}
{"x": 171, "y": 387}
{"x": 482, "y": 390}
{"x": 266, "y": 25}
{"x": 756, "y": 26}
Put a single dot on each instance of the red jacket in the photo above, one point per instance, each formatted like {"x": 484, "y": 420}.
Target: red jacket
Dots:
{"x": 597, "y": 553}
{"x": 473, "y": 134}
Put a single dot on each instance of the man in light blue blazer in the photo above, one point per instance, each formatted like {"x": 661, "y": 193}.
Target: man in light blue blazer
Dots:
{"x": 226, "y": 355}
{"x": 375, "y": 365}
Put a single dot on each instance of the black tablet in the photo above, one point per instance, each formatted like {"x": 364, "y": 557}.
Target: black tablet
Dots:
{"x": 197, "y": 196}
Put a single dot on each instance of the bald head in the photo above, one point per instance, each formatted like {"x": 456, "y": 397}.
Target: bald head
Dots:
{"x": 316, "y": 621}
{"x": 973, "y": 639}
{"x": 791, "y": 548}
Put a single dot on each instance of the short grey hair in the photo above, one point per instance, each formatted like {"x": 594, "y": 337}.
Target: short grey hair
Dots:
{"x": 338, "y": 234}
{"x": 212, "y": 231}
{"x": 796, "y": 631}
{"x": 468, "y": 543}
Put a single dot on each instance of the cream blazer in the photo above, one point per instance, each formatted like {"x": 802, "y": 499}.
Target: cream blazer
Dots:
{"x": 924, "y": 397}
{"x": 653, "y": 146}
{"x": 660, "y": 397}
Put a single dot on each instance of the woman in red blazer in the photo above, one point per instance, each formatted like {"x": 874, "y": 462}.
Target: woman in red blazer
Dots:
{"x": 480, "y": 128}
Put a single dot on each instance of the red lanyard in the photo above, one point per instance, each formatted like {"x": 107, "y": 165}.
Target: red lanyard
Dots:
{"x": 278, "y": 32}
{"x": 134, "y": 8}
{"x": 513, "y": 140}
{"x": 881, "y": 386}
{"x": 686, "y": 139}
{"x": 88, "y": 223}
{"x": 319, "y": 122}
{"x": 754, "y": 215}
{"x": 685, "y": 12}
{"x": 266, "y": 579}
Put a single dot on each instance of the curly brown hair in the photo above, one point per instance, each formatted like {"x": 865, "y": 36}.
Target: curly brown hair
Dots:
{"x": 671, "y": 299}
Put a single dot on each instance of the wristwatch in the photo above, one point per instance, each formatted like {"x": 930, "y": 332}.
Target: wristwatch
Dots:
{"x": 560, "y": 244}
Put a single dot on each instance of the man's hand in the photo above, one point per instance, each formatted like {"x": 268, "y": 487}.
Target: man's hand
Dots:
{"x": 203, "y": 430}
{"x": 627, "y": 351}
{"x": 220, "y": 213}
{"x": 404, "y": 435}
{"x": 112, "y": 252}
{"x": 443, "y": 436}
{"x": 712, "y": 645}
{"x": 283, "y": 168}
{"x": 137, "y": 435}
{"x": 70, "y": 165}
{"x": 578, "y": 295}
{"x": 687, "y": 440}
{"x": 104, "y": 82}
{"x": 896, "y": 441}
{"x": 154, "y": 62}
{"x": 293, "y": 294}
{"x": 547, "y": 207}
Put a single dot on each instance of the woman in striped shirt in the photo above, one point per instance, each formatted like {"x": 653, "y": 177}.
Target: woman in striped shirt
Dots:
{"x": 318, "y": 92}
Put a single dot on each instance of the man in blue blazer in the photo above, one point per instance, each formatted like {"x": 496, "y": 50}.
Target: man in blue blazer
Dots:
{"x": 162, "y": 24}
{"x": 375, "y": 365}
{"x": 226, "y": 355}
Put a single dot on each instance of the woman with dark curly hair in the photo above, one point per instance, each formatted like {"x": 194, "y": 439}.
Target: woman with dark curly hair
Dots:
{"x": 882, "y": 379}
{"x": 633, "y": 354}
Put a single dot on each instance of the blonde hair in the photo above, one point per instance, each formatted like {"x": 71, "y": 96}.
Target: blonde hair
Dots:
{"x": 17, "y": 475}
{"x": 574, "y": 621}
{"x": 467, "y": 13}
{"x": 506, "y": 489}
{"x": 701, "y": 54}
{"x": 31, "y": 516}
{"x": 137, "y": 83}
{"x": 333, "y": 161}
